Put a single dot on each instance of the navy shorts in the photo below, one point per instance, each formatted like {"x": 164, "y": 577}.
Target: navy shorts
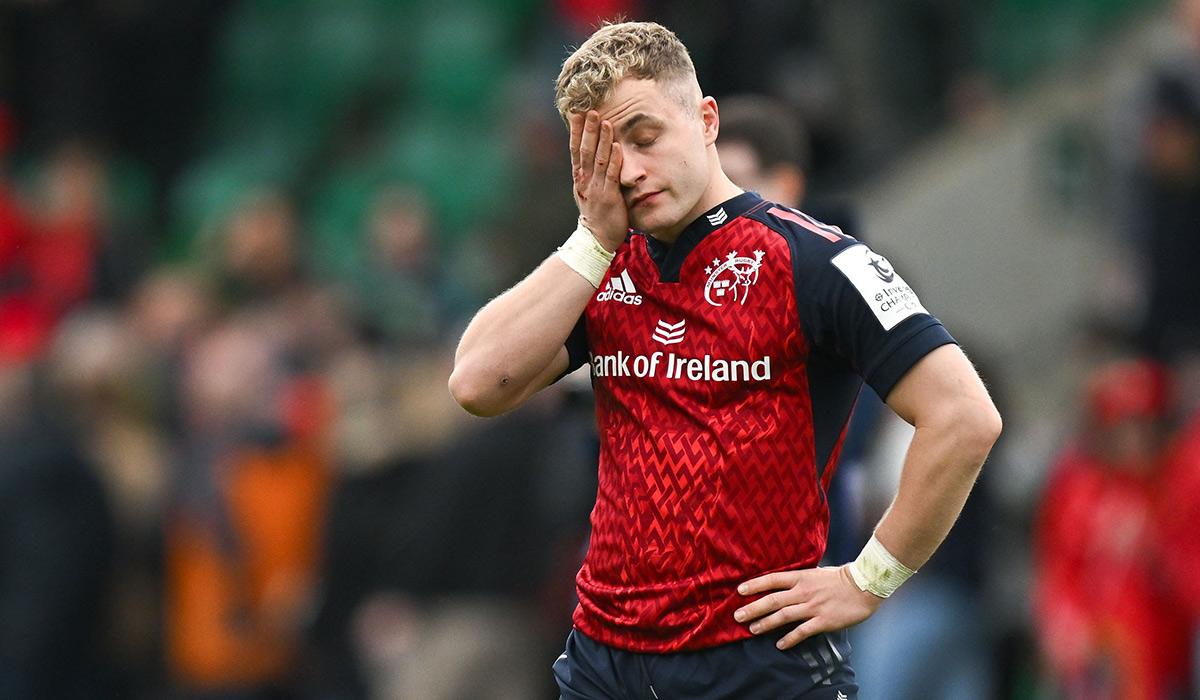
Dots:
{"x": 816, "y": 669}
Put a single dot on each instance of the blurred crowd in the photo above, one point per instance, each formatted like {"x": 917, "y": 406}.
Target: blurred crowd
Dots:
{"x": 226, "y": 477}
{"x": 229, "y": 466}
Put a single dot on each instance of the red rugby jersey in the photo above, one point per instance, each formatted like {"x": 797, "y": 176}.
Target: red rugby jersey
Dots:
{"x": 725, "y": 368}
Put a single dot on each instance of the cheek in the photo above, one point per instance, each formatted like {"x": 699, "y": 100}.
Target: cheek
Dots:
{"x": 693, "y": 170}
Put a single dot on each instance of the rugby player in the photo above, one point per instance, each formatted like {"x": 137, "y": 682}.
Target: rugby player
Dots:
{"x": 727, "y": 337}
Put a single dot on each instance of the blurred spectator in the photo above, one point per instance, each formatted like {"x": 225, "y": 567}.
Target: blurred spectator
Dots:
{"x": 65, "y": 249}
{"x": 403, "y": 288}
{"x": 1157, "y": 156}
{"x": 55, "y": 551}
{"x": 446, "y": 535}
{"x": 87, "y": 233}
{"x": 1170, "y": 186}
{"x": 99, "y": 379}
{"x": 23, "y": 327}
{"x": 168, "y": 307}
{"x": 764, "y": 148}
{"x": 256, "y": 253}
{"x": 1105, "y": 621}
{"x": 243, "y": 540}
{"x": 380, "y": 464}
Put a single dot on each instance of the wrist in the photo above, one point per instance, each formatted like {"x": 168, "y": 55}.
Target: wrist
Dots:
{"x": 877, "y": 571}
{"x": 583, "y": 253}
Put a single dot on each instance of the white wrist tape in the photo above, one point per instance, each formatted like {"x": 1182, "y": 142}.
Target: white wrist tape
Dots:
{"x": 584, "y": 254}
{"x": 877, "y": 571}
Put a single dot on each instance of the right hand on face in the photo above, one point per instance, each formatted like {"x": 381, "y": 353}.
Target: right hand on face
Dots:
{"x": 596, "y": 169}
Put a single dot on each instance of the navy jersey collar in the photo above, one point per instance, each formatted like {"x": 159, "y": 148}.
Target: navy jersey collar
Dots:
{"x": 669, "y": 258}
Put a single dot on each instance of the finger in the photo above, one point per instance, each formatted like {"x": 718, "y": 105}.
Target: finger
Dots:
{"x": 784, "y": 616}
{"x": 769, "y": 582}
{"x": 603, "y": 151}
{"x": 801, "y": 633}
{"x": 587, "y": 145}
{"x": 576, "y": 137}
{"x": 765, "y": 606}
{"x": 615, "y": 163}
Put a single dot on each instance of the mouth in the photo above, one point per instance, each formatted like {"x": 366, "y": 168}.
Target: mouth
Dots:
{"x": 643, "y": 198}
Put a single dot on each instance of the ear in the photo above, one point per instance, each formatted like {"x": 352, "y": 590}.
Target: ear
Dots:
{"x": 711, "y": 119}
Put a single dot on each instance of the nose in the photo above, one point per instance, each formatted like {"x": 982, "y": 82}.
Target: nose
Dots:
{"x": 632, "y": 168}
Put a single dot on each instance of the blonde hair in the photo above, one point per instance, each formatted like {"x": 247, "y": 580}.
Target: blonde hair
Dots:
{"x": 644, "y": 50}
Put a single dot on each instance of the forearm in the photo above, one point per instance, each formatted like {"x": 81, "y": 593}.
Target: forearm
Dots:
{"x": 514, "y": 345}
{"x": 941, "y": 466}
{"x": 956, "y": 426}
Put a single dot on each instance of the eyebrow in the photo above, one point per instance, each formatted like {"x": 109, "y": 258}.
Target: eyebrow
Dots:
{"x": 639, "y": 120}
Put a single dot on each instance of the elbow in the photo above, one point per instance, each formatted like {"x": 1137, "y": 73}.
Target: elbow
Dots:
{"x": 980, "y": 430}
{"x": 968, "y": 427}
{"x": 475, "y": 394}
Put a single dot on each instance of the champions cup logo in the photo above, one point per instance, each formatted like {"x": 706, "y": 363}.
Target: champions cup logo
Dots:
{"x": 731, "y": 280}
{"x": 881, "y": 269}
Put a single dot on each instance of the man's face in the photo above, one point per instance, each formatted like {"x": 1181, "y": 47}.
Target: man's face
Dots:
{"x": 666, "y": 170}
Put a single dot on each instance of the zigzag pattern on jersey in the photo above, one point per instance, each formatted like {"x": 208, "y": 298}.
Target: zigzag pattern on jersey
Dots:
{"x": 703, "y": 484}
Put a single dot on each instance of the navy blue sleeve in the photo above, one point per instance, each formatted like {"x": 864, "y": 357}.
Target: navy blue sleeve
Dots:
{"x": 577, "y": 347}
{"x": 854, "y": 306}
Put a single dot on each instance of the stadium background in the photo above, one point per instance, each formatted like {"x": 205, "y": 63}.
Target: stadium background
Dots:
{"x": 238, "y": 239}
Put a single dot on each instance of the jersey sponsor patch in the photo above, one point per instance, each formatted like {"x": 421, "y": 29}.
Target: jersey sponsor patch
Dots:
{"x": 888, "y": 295}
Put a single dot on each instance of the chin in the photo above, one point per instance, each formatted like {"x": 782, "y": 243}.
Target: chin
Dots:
{"x": 653, "y": 222}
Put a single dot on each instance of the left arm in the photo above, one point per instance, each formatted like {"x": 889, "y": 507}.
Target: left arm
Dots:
{"x": 956, "y": 425}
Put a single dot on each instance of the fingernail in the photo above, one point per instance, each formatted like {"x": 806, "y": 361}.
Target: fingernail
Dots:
{"x": 739, "y": 615}
{"x": 743, "y": 589}
{"x": 779, "y": 644}
{"x": 755, "y": 627}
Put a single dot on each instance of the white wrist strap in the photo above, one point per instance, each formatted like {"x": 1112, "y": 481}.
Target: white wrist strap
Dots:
{"x": 877, "y": 571}
{"x": 584, "y": 254}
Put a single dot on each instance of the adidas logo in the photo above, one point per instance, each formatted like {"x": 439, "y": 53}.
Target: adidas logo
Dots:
{"x": 718, "y": 217}
{"x": 620, "y": 288}
{"x": 841, "y": 695}
{"x": 669, "y": 334}
{"x": 622, "y": 283}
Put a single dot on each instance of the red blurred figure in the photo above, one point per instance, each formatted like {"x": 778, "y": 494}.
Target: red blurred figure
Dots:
{"x": 1107, "y": 626}
{"x": 54, "y": 248}
{"x": 23, "y": 327}
{"x": 1179, "y": 511}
